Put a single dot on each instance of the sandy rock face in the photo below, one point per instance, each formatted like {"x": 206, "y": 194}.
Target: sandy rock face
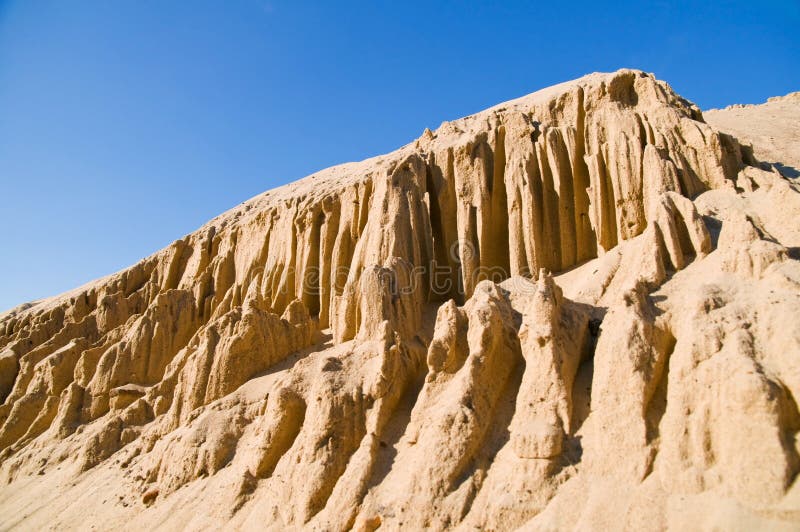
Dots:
{"x": 575, "y": 309}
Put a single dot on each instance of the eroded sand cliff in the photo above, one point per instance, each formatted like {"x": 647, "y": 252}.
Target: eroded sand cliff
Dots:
{"x": 575, "y": 309}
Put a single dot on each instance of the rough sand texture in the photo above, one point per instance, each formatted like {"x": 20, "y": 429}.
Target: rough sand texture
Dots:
{"x": 578, "y": 309}
{"x": 772, "y": 128}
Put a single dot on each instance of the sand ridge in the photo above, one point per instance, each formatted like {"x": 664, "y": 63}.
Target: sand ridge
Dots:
{"x": 576, "y": 309}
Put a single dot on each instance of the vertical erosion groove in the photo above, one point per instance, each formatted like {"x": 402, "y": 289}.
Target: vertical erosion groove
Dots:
{"x": 586, "y": 240}
{"x": 551, "y": 226}
{"x": 535, "y": 242}
{"x": 482, "y": 152}
{"x": 518, "y": 260}
{"x": 451, "y": 226}
{"x": 496, "y": 260}
{"x": 326, "y": 259}
{"x": 311, "y": 288}
{"x": 365, "y": 200}
{"x": 434, "y": 183}
{"x": 470, "y": 252}
{"x": 608, "y": 207}
{"x": 562, "y": 181}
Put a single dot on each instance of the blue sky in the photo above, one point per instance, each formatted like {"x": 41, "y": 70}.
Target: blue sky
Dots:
{"x": 125, "y": 124}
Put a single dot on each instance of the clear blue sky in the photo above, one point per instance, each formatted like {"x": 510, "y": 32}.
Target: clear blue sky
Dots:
{"x": 126, "y": 124}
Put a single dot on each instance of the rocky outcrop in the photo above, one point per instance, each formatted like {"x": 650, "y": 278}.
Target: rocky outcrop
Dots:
{"x": 575, "y": 309}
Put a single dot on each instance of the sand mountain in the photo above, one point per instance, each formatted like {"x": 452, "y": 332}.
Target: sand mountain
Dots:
{"x": 577, "y": 309}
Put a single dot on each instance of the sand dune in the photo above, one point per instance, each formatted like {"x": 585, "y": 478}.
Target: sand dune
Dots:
{"x": 577, "y": 309}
